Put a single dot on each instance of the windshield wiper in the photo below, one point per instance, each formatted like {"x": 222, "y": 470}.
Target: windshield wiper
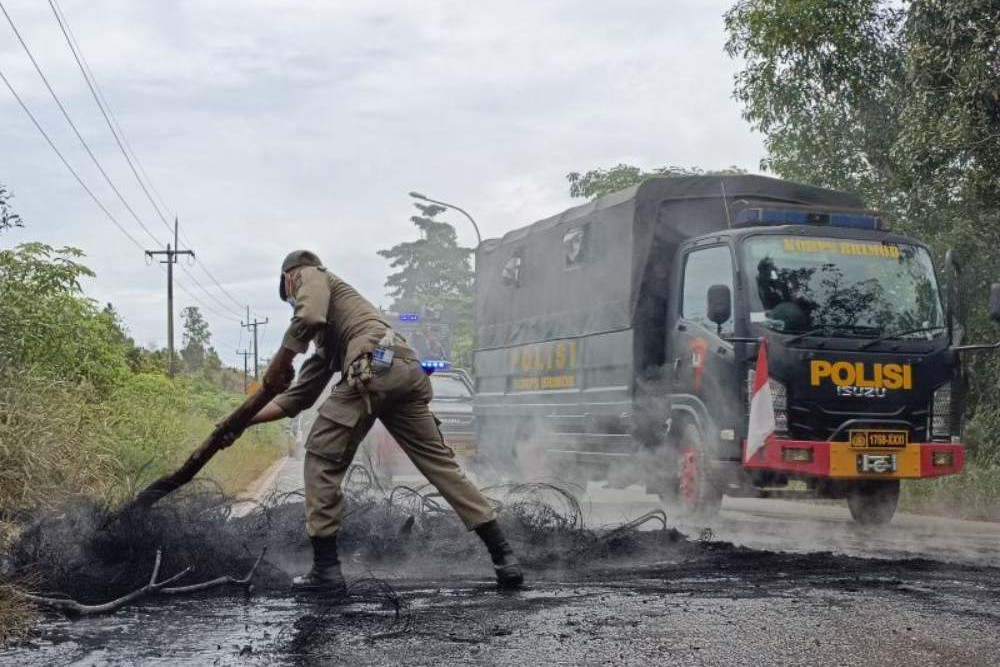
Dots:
{"x": 897, "y": 334}
{"x": 818, "y": 330}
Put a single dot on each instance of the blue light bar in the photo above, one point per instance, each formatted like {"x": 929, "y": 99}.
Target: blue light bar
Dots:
{"x": 431, "y": 365}
{"x": 409, "y": 317}
{"x": 856, "y": 221}
{"x": 780, "y": 216}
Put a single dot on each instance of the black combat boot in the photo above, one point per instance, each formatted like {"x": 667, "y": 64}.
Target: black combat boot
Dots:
{"x": 508, "y": 570}
{"x": 325, "y": 576}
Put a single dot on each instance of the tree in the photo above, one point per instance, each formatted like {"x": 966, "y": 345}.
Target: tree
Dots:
{"x": 598, "y": 182}
{"x": 197, "y": 352}
{"x": 434, "y": 272}
{"x": 900, "y": 103}
{"x": 8, "y": 218}
{"x": 48, "y": 325}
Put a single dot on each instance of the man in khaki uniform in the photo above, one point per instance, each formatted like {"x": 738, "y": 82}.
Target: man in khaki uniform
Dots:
{"x": 352, "y": 338}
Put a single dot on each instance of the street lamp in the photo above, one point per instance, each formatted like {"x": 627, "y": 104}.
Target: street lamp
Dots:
{"x": 479, "y": 238}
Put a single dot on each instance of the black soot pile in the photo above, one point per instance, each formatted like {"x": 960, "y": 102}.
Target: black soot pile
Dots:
{"x": 92, "y": 554}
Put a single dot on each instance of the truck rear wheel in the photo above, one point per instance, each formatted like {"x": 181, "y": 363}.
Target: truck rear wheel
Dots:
{"x": 873, "y": 503}
{"x": 698, "y": 494}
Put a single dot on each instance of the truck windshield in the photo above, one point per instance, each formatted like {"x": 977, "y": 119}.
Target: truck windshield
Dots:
{"x": 848, "y": 287}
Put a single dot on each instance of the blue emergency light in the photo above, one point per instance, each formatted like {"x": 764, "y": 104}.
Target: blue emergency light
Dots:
{"x": 759, "y": 215}
{"x": 431, "y": 365}
{"x": 409, "y": 317}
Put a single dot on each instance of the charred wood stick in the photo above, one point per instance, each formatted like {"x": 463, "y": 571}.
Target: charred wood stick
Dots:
{"x": 74, "y": 608}
{"x": 238, "y": 420}
{"x": 220, "y": 581}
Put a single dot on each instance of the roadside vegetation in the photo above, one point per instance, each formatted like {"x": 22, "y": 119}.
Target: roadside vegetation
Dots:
{"x": 84, "y": 412}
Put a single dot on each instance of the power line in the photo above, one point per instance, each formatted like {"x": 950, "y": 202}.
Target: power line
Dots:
{"x": 69, "y": 120}
{"x": 218, "y": 284}
{"x": 121, "y": 133}
{"x": 107, "y": 119}
{"x": 120, "y": 138}
{"x": 114, "y": 119}
{"x": 226, "y": 307}
{"x": 62, "y": 158}
{"x": 201, "y": 303}
{"x": 100, "y": 168}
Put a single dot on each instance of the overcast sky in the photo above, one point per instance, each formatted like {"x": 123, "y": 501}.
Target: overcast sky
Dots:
{"x": 273, "y": 125}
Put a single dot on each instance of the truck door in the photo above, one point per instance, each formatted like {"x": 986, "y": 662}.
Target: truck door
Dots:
{"x": 704, "y": 365}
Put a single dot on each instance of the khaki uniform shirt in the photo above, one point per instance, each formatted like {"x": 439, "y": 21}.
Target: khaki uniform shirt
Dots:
{"x": 342, "y": 324}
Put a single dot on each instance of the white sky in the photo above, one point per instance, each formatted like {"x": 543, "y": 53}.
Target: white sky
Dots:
{"x": 274, "y": 125}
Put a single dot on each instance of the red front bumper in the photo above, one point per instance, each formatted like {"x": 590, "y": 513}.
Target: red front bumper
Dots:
{"x": 838, "y": 460}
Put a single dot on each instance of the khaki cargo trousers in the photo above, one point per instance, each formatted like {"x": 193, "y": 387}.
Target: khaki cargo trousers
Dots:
{"x": 399, "y": 397}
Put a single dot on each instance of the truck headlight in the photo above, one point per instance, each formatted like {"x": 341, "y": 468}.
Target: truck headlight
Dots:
{"x": 941, "y": 412}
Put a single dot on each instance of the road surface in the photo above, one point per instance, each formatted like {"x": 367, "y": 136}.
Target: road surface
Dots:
{"x": 769, "y": 583}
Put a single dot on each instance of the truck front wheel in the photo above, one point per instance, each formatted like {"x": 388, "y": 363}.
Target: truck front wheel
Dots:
{"x": 873, "y": 503}
{"x": 698, "y": 493}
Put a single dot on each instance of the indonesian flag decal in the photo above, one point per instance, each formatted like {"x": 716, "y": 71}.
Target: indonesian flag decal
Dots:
{"x": 761, "y": 407}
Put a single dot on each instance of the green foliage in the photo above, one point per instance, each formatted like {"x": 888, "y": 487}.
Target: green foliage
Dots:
{"x": 598, "y": 182}
{"x": 197, "y": 352}
{"x": 900, "y": 104}
{"x": 435, "y": 272}
{"x": 8, "y": 218}
{"x": 82, "y": 409}
{"x": 822, "y": 83}
{"x": 46, "y": 322}
{"x": 432, "y": 267}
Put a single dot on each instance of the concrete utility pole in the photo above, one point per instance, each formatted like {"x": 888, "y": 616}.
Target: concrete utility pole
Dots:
{"x": 171, "y": 254}
{"x": 253, "y": 325}
{"x": 246, "y": 354}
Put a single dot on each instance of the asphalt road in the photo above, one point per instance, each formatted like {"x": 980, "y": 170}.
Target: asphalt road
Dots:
{"x": 797, "y": 526}
{"x": 805, "y": 588}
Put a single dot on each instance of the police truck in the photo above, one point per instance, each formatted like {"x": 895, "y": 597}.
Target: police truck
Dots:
{"x": 623, "y": 339}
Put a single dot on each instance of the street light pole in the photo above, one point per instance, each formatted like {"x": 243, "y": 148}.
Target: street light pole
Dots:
{"x": 479, "y": 238}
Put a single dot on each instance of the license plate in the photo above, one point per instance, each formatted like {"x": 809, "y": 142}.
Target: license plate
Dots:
{"x": 876, "y": 463}
{"x": 869, "y": 438}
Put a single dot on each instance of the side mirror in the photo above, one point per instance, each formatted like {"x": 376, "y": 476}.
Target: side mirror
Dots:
{"x": 995, "y": 302}
{"x": 720, "y": 304}
{"x": 952, "y": 261}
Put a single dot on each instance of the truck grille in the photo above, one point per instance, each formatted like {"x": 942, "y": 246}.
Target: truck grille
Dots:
{"x": 811, "y": 421}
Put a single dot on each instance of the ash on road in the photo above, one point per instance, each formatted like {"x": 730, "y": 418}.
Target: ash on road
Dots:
{"x": 709, "y": 604}
{"x": 771, "y": 583}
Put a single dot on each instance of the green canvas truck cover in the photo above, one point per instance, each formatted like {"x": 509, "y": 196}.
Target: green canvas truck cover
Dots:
{"x": 596, "y": 268}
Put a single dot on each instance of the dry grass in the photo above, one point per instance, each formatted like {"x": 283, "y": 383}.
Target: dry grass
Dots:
{"x": 973, "y": 494}
{"x": 58, "y": 440}
{"x": 16, "y": 616}
{"x": 236, "y": 468}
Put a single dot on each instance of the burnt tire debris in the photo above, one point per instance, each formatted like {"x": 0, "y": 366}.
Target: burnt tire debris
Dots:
{"x": 84, "y": 559}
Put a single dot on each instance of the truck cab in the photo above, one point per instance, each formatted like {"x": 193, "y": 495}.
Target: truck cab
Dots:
{"x": 863, "y": 378}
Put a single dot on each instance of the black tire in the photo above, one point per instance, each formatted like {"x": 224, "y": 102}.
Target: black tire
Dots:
{"x": 697, "y": 493}
{"x": 873, "y": 503}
